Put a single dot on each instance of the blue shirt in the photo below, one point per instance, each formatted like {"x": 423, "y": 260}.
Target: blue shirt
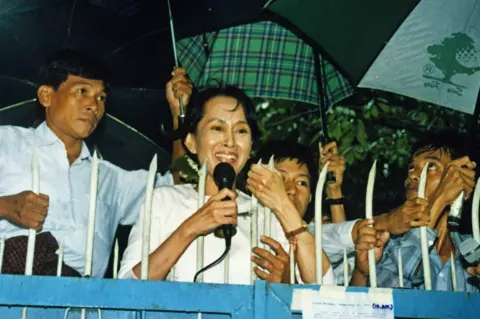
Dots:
{"x": 119, "y": 196}
{"x": 409, "y": 244}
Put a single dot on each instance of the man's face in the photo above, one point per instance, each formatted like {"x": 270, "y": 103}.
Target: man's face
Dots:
{"x": 297, "y": 183}
{"x": 74, "y": 110}
{"x": 436, "y": 161}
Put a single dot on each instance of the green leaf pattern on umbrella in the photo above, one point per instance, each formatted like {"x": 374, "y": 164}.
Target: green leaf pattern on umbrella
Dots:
{"x": 264, "y": 59}
{"x": 455, "y": 55}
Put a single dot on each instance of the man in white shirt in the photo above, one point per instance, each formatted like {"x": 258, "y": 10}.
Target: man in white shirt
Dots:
{"x": 73, "y": 94}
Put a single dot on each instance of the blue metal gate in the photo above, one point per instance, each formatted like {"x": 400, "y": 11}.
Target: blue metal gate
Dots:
{"x": 49, "y": 297}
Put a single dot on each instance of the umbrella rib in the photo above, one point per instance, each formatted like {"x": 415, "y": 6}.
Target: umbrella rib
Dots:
{"x": 70, "y": 20}
{"x": 269, "y": 2}
{"x": 11, "y": 106}
{"x": 133, "y": 129}
{"x": 17, "y": 79}
{"x": 20, "y": 9}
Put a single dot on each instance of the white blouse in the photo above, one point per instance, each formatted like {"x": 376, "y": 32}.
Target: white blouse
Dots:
{"x": 171, "y": 206}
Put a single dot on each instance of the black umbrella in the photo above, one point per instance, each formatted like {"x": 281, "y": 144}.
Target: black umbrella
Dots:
{"x": 130, "y": 37}
{"x": 130, "y": 43}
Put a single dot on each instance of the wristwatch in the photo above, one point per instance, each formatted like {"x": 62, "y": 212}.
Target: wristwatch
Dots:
{"x": 335, "y": 201}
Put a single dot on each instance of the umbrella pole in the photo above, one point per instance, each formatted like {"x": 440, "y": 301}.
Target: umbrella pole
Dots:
{"x": 172, "y": 32}
{"x": 322, "y": 92}
{"x": 175, "y": 57}
{"x": 322, "y": 105}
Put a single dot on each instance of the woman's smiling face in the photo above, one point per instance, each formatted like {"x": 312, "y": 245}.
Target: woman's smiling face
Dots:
{"x": 222, "y": 135}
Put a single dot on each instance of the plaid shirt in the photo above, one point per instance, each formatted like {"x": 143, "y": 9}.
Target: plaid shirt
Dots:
{"x": 409, "y": 244}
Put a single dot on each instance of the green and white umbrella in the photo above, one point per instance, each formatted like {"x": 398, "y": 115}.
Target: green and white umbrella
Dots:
{"x": 434, "y": 56}
{"x": 264, "y": 59}
{"x": 428, "y": 49}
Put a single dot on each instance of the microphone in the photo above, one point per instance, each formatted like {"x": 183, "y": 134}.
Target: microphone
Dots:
{"x": 224, "y": 177}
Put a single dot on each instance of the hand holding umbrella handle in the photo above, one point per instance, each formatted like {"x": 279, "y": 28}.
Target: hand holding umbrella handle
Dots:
{"x": 331, "y": 179}
{"x": 181, "y": 118}
{"x": 179, "y": 133}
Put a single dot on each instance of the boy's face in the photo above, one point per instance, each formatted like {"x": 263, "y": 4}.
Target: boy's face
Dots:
{"x": 74, "y": 110}
{"x": 297, "y": 181}
{"x": 436, "y": 161}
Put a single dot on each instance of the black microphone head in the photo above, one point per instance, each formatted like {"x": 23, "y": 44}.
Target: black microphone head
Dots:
{"x": 224, "y": 175}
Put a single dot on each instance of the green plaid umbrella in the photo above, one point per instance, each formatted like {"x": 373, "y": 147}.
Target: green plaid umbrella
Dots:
{"x": 265, "y": 60}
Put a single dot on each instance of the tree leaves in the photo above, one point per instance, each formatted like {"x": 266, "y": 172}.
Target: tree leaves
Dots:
{"x": 382, "y": 127}
{"x": 361, "y": 133}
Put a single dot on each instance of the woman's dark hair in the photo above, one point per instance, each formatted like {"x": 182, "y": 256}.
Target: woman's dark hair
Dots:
{"x": 67, "y": 62}
{"x": 288, "y": 150}
{"x": 196, "y": 109}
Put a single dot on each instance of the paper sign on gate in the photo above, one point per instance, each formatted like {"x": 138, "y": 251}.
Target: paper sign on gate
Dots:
{"x": 329, "y": 303}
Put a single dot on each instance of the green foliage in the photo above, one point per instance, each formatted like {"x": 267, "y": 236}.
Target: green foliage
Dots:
{"x": 379, "y": 128}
